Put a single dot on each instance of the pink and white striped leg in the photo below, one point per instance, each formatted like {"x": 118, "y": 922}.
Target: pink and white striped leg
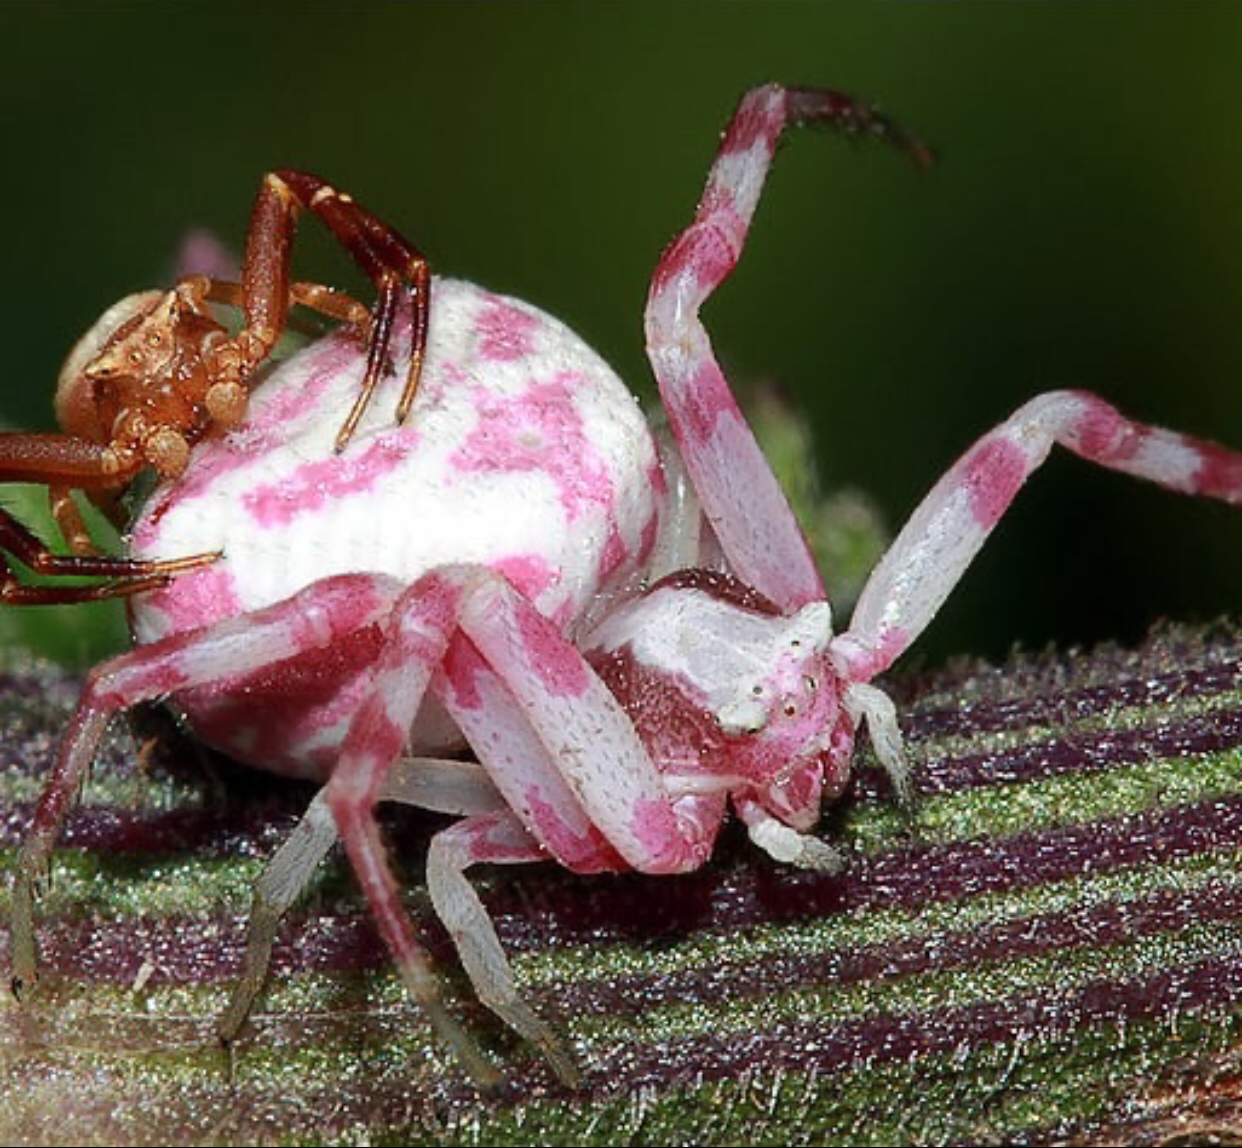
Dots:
{"x": 510, "y": 678}
{"x": 741, "y": 497}
{"x": 318, "y": 616}
{"x": 948, "y": 528}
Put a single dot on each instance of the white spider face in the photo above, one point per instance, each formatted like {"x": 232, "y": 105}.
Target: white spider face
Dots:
{"x": 785, "y": 727}
{"x": 721, "y": 685}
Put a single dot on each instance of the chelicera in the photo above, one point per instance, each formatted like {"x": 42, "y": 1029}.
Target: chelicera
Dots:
{"x": 522, "y": 610}
{"x": 160, "y": 370}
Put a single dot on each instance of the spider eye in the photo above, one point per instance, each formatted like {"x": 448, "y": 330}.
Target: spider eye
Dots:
{"x": 811, "y": 683}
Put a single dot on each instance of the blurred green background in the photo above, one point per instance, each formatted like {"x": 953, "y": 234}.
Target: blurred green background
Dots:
{"x": 1081, "y": 229}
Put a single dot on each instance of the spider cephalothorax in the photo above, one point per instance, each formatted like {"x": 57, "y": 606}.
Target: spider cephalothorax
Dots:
{"x": 518, "y": 572}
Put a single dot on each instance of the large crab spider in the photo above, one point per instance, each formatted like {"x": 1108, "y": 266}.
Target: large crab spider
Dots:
{"x": 546, "y": 604}
{"x": 159, "y": 370}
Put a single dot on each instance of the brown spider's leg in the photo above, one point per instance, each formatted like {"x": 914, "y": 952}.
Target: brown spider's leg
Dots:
{"x": 63, "y": 462}
{"x": 388, "y": 259}
{"x": 68, "y": 517}
{"x": 328, "y": 301}
{"x": 123, "y": 576}
{"x": 382, "y": 317}
{"x": 62, "y": 459}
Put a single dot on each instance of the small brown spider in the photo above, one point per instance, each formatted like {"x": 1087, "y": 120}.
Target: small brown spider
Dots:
{"x": 159, "y": 371}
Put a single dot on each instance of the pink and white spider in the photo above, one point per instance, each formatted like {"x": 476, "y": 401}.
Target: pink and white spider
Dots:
{"x": 520, "y": 571}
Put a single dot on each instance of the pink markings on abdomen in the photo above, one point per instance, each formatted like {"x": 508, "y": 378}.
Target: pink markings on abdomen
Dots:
{"x": 505, "y": 332}
{"x": 538, "y": 429}
{"x": 196, "y": 598}
{"x": 316, "y": 484}
{"x": 994, "y": 472}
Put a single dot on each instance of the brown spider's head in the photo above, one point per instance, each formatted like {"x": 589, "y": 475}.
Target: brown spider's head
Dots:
{"x": 136, "y": 381}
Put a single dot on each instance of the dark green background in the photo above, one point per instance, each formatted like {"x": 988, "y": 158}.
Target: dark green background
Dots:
{"x": 1081, "y": 229}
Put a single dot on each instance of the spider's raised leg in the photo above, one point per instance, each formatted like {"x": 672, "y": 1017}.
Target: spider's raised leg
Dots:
{"x": 328, "y": 301}
{"x": 947, "y": 529}
{"x": 741, "y": 497}
{"x": 392, "y": 263}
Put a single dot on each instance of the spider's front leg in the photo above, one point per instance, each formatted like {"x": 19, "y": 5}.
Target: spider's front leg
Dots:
{"x": 948, "y": 528}
{"x": 324, "y": 613}
{"x": 740, "y": 495}
{"x": 392, "y": 263}
{"x": 556, "y": 744}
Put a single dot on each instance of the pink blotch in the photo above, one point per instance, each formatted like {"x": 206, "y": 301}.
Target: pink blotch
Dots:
{"x": 708, "y": 252}
{"x": 893, "y": 643}
{"x": 538, "y": 429}
{"x": 196, "y": 598}
{"x": 556, "y": 661}
{"x": 1104, "y": 434}
{"x": 263, "y": 431}
{"x": 861, "y": 664}
{"x": 142, "y": 675}
{"x": 796, "y": 799}
{"x": 324, "y": 363}
{"x": 760, "y": 117}
{"x": 581, "y": 852}
{"x": 656, "y": 478}
{"x": 314, "y": 484}
{"x": 614, "y": 555}
{"x": 647, "y": 540}
{"x": 461, "y": 668}
{"x": 702, "y": 406}
{"x": 532, "y": 574}
{"x": 658, "y": 831}
{"x": 491, "y": 839}
{"x": 994, "y": 472}
{"x": 505, "y": 332}
{"x": 374, "y": 737}
{"x": 1219, "y": 474}
{"x": 288, "y": 717}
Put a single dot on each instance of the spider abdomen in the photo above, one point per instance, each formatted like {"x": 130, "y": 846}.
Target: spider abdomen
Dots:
{"x": 524, "y": 452}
